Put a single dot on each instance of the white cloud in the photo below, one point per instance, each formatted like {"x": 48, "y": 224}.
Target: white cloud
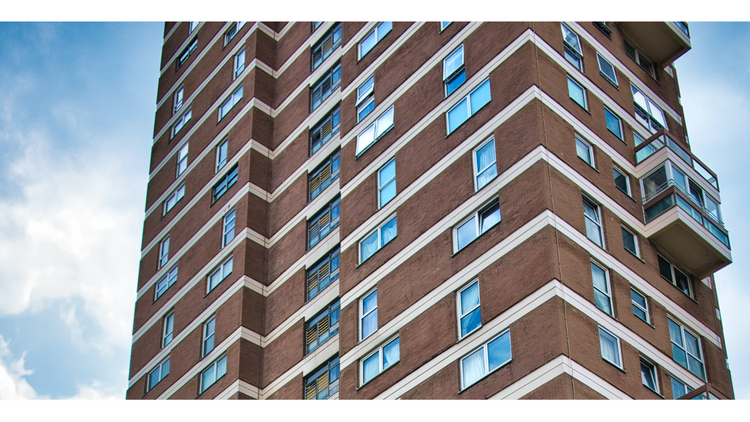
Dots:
{"x": 13, "y": 385}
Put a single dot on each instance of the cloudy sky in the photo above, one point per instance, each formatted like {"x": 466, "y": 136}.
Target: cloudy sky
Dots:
{"x": 77, "y": 102}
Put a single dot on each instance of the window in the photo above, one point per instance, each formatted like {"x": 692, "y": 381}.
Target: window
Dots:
{"x": 577, "y": 93}
{"x": 630, "y": 241}
{"x": 485, "y": 164}
{"x": 444, "y": 25}
{"x": 610, "y": 346}
{"x": 178, "y": 97}
{"x": 181, "y": 122}
{"x": 489, "y": 357}
{"x": 602, "y": 26}
{"x": 380, "y": 360}
{"x": 217, "y": 370}
{"x": 208, "y": 336}
{"x": 375, "y": 131}
{"x": 614, "y": 124}
{"x": 607, "y": 70}
{"x": 454, "y": 73}
{"x": 225, "y": 183}
{"x": 387, "y": 183}
{"x": 321, "y": 133}
{"x": 163, "y": 252}
{"x": 469, "y": 313}
{"x": 239, "y": 63}
{"x": 468, "y": 106}
{"x": 192, "y": 26}
{"x": 230, "y": 102}
{"x": 368, "y": 315}
{"x": 622, "y": 181}
{"x": 585, "y": 151}
{"x": 228, "y": 231}
{"x": 686, "y": 349}
{"x": 373, "y": 38}
{"x": 648, "y": 376}
{"x": 187, "y": 52}
{"x": 166, "y": 282}
{"x": 322, "y": 223}
{"x": 323, "y": 273}
{"x": 674, "y": 276}
{"x": 366, "y": 98}
{"x": 476, "y": 225}
{"x": 638, "y": 57}
{"x": 322, "y": 177}
{"x": 377, "y": 239}
{"x": 593, "y": 222}
{"x": 324, "y": 382}
{"x": 182, "y": 159}
{"x": 322, "y": 327}
{"x": 173, "y": 199}
{"x": 158, "y": 374}
{"x": 325, "y": 86}
{"x": 640, "y": 305}
{"x": 679, "y": 388}
{"x": 572, "y": 47}
{"x": 229, "y": 35}
{"x": 316, "y": 25}
{"x": 220, "y": 274}
{"x": 647, "y": 112}
{"x": 168, "y": 330}
{"x": 326, "y": 45}
{"x": 602, "y": 292}
{"x": 221, "y": 155}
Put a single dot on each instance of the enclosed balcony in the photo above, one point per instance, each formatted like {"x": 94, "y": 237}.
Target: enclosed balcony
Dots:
{"x": 662, "y": 42}
{"x": 682, "y": 206}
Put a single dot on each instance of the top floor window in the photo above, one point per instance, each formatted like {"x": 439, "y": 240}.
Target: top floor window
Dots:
{"x": 193, "y": 25}
{"x": 326, "y": 45}
{"x": 374, "y": 37}
{"x": 647, "y": 112}
{"x": 572, "y": 46}
{"x": 638, "y": 57}
{"x": 187, "y": 52}
{"x": 676, "y": 277}
{"x": 229, "y": 35}
{"x": 325, "y": 86}
{"x": 454, "y": 73}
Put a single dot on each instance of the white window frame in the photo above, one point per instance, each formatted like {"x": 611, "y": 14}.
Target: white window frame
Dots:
{"x": 601, "y": 59}
{"x": 571, "y": 49}
{"x": 475, "y": 158}
{"x": 181, "y": 122}
{"x": 444, "y": 25}
{"x": 686, "y": 388}
{"x": 650, "y": 104}
{"x": 478, "y": 218}
{"x": 220, "y": 163}
{"x": 619, "y": 347}
{"x": 187, "y": 52}
{"x": 379, "y": 35}
{"x": 608, "y": 285}
{"x": 169, "y": 279}
{"x": 465, "y": 313}
{"x": 179, "y": 97}
{"x": 382, "y": 184}
{"x": 590, "y": 149}
{"x": 160, "y": 369}
{"x": 192, "y": 26}
{"x": 168, "y": 330}
{"x": 365, "y": 98}
{"x": 684, "y": 348}
{"x": 178, "y": 194}
{"x": 362, "y": 315}
{"x": 379, "y": 351}
{"x": 484, "y": 350}
{"x": 182, "y": 159}
{"x": 239, "y": 64}
{"x": 163, "y": 253}
{"x": 469, "y": 114}
{"x": 585, "y": 104}
{"x": 232, "y": 32}
{"x": 229, "y": 219}
{"x": 230, "y": 102}
{"x": 380, "y": 238}
{"x": 627, "y": 190}
{"x": 638, "y": 305}
{"x": 382, "y": 125}
{"x": 208, "y": 336}
{"x": 449, "y": 76}
{"x": 221, "y": 272}
{"x": 637, "y": 252}
{"x": 599, "y": 223}
{"x": 215, "y": 367}
{"x": 619, "y": 123}
{"x": 654, "y": 373}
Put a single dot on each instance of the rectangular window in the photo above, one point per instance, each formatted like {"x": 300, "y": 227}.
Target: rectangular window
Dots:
{"x": 674, "y": 276}
{"x": 647, "y": 112}
{"x": 622, "y": 181}
{"x": 322, "y": 327}
{"x": 193, "y": 25}
{"x": 157, "y": 374}
{"x": 639, "y": 58}
{"x": 168, "y": 330}
{"x": 607, "y": 70}
{"x": 181, "y": 122}
{"x": 375, "y": 131}
{"x": 593, "y": 222}
{"x": 485, "y": 164}
{"x": 217, "y": 370}
{"x": 377, "y": 34}
{"x": 572, "y": 47}
{"x": 230, "y": 102}
{"x": 182, "y": 159}
{"x": 366, "y": 98}
{"x": 614, "y": 124}
{"x": 387, "y": 183}
{"x": 380, "y": 360}
{"x": 325, "y": 86}
{"x": 174, "y": 199}
{"x": 239, "y": 63}
{"x": 322, "y": 223}
{"x": 178, "y": 97}
{"x": 469, "y": 312}
{"x": 648, "y": 376}
{"x": 323, "y": 273}
{"x": 585, "y": 151}
{"x": 368, "y": 315}
{"x": 324, "y": 382}
{"x": 454, "y": 73}
{"x": 468, "y": 106}
{"x": 489, "y": 357}
{"x": 321, "y": 133}
{"x": 679, "y": 388}
{"x": 610, "y": 347}
{"x": 686, "y": 349}
{"x": 326, "y": 45}
{"x": 163, "y": 252}
{"x": 577, "y": 93}
{"x": 487, "y": 217}
{"x": 322, "y": 177}
{"x": 225, "y": 183}
{"x": 221, "y": 155}
{"x": 602, "y": 292}
{"x": 630, "y": 242}
{"x": 640, "y": 305}
{"x": 220, "y": 274}
{"x": 380, "y": 237}
{"x": 187, "y": 52}
{"x": 229, "y": 35}
{"x": 228, "y": 231}
{"x": 166, "y": 282}
{"x": 316, "y": 25}
{"x": 209, "y": 328}
{"x": 444, "y": 25}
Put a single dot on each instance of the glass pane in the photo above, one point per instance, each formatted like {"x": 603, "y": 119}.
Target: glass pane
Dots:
{"x": 480, "y": 97}
{"x": 628, "y": 240}
{"x": 675, "y": 333}
{"x": 364, "y": 111}
{"x": 486, "y": 176}
{"x": 679, "y": 355}
{"x": 571, "y": 38}
{"x": 457, "y": 115}
{"x": 370, "y": 302}
{"x": 469, "y": 298}
{"x": 387, "y": 173}
{"x": 471, "y": 321}
{"x": 577, "y": 93}
{"x": 599, "y": 277}
{"x": 388, "y": 231}
{"x": 466, "y": 233}
{"x": 593, "y": 233}
{"x": 383, "y": 29}
{"x": 640, "y": 313}
{"x": 637, "y": 298}
{"x": 607, "y": 69}
{"x": 208, "y": 377}
{"x": 647, "y": 376}
{"x": 365, "y": 89}
{"x": 681, "y": 281}
{"x": 639, "y": 98}
{"x": 573, "y": 58}
{"x": 453, "y": 62}
{"x": 384, "y": 123}
{"x": 391, "y": 353}
{"x": 665, "y": 269}
{"x": 695, "y": 366}
{"x": 368, "y": 246}
{"x": 678, "y": 389}
{"x": 613, "y": 123}
{"x": 388, "y": 193}
{"x": 609, "y": 347}
{"x": 454, "y": 82}
{"x": 221, "y": 367}
{"x": 369, "y": 324}
{"x": 602, "y": 302}
{"x": 473, "y": 368}
{"x": 583, "y": 151}
{"x": 367, "y": 44}
{"x": 621, "y": 181}
{"x": 365, "y": 139}
{"x": 490, "y": 217}
{"x": 498, "y": 351}
{"x": 691, "y": 342}
{"x": 485, "y": 156}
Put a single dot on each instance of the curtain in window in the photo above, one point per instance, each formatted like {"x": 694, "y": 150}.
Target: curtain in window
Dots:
{"x": 609, "y": 347}
{"x": 485, "y": 158}
{"x": 370, "y": 323}
{"x": 473, "y": 367}
{"x": 469, "y": 298}
{"x": 369, "y": 246}
{"x": 391, "y": 353}
{"x": 389, "y": 231}
{"x": 466, "y": 233}
{"x": 371, "y": 367}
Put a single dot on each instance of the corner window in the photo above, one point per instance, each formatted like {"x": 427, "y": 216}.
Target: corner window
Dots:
{"x": 572, "y": 46}
{"x": 386, "y": 183}
{"x": 187, "y": 52}
{"x": 325, "y": 86}
{"x": 322, "y": 327}
{"x": 193, "y": 25}
{"x": 577, "y": 93}
{"x": 639, "y": 58}
{"x": 468, "y": 106}
{"x": 181, "y": 122}
{"x": 225, "y": 183}
{"x": 239, "y": 63}
{"x": 489, "y": 357}
{"x": 648, "y": 376}
{"x": 322, "y": 223}
{"x": 366, "y": 98}
{"x": 375, "y": 131}
{"x": 209, "y": 329}
{"x": 173, "y": 199}
{"x": 647, "y": 112}
{"x": 610, "y": 347}
{"x": 640, "y": 305}
{"x": 686, "y": 349}
{"x": 676, "y": 277}
{"x": 323, "y": 176}
{"x": 679, "y": 388}
{"x": 182, "y": 159}
{"x": 630, "y": 242}
{"x": 221, "y": 155}
{"x": 323, "y": 48}
{"x": 476, "y": 225}
{"x": 469, "y": 312}
{"x": 622, "y": 181}
{"x": 454, "y": 73}
{"x": 380, "y": 360}
{"x": 214, "y": 372}
{"x": 157, "y": 374}
{"x": 377, "y": 34}
{"x": 230, "y": 102}
{"x": 380, "y": 237}
{"x": 324, "y": 382}
{"x": 228, "y": 230}
{"x": 602, "y": 292}
{"x": 614, "y": 124}
{"x": 321, "y": 133}
{"x": 229, "y": 35}
{"x": 323, "y": 273}
{"x": 166, "y": 282}
{"x": 178, "y": 97}
{"x": 444, "y": 25}
{"x": 485, "y": 164}
{"x": 220, "y": 274}
{"x": 368, "y": 315}
{"x": 163, "y": 252}
{"x": 585, "y": 151}
{"x": 168, "y": 330}
{"x": 607, "y": 70}
{"x": 593, "y": 222}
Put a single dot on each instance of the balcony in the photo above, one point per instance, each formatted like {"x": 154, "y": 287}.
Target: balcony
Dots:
{"x": 663, "y": 42}
{"x": 681, "y": 206}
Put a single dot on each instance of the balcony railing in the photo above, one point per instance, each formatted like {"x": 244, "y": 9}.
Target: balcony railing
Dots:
{"x": 677, "y": 199}
{"x": 647, "y": 149}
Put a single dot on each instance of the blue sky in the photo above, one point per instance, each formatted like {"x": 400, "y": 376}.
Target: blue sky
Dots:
{"x": 77, "y": 104}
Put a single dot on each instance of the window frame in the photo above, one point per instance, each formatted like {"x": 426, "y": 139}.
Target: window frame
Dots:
{"x": 467, "y": 101}
{"x": 206, "y": 336}
{"x": 444, "y": 25}
{"x": 334, "y": 116}
{"x": 576, "y": 52}
{"x": 380, "y": 351}
{"x": 168, "y": 330}
{"x": 318, "y": 85}
{"x": 380, "y": 243}
{"x": 654, "y": 375}
{"x": 613, "y": 81}
{"x": 607, "y": 284}
{"x": 475, "y": 158}
{"x": 376, "y": 31}
{"x": 333, "y": 308}
{"x": 465, "y": 314}
{"x": 328, "y": 210}
{"x": 219, "y": 162}
{"x": 388, "y": 117}
{"x": 455, "y": 74}
{"x": 232, "y": 32}
{"x": 686, "y": 388}
{"x": 628, "y": 188}
{"x": 383, "y": 185}
{"x": 234, "y": 99}
{"x": 178, "y": 194}
{"x": 639, "y": 307}
{"x": 215, "y": 366}
{"x": 333, "y": 174}
{"x": 619, "y": 347}
{"x": 599, "y": 223}
{"x": 324, "y": 54}
{"x": 363, "y": 315}
{"x": 478, "y": 216}
{"x": 163, "y": 253}
{"x": 179, "y": 99}
{"x": 187, "y": 52}
{"x": 673, "y": 277}
{"x": 585, "y": 104}
{"x": 224, "y": 238}
{"x": 332, "y": 274}
{"x": 619, "y": 135}
{"x": 219, "y": 270}
{"x": 182, "y": 159}
{"x": 239, "y": 64}
{"x": 684, "y": 348}
{"x": 328, "y": 368}
{"x": 366, "y": 98}
{"x": 485, "y": 350}
{"x": 160, "y": 368}
{"x": 181, "y": 122}
{"x": 589, "y": 147}
{"x": 637, "y": 251}
{"x": 654, "y": 125}
{"x": 169, "y": 278}
{"x": 225, "y": 183}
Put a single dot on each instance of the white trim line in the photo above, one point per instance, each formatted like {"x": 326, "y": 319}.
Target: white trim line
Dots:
{"x": 191, "y": 36}
{"x": 239, "y": 386}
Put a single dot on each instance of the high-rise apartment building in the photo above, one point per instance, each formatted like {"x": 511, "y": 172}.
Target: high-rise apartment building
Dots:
{"x": 427, "y": 210}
